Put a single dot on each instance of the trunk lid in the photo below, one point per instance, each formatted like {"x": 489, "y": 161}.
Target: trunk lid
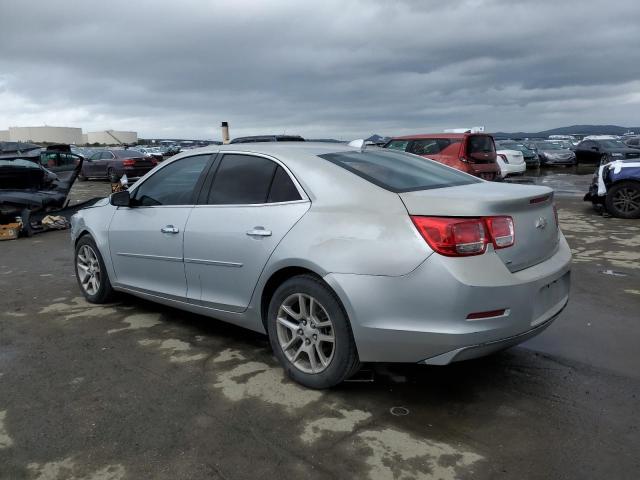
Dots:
{"x": 531, "y": 207}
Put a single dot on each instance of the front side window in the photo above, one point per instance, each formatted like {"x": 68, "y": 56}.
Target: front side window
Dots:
{"x": 398, "y": 171}
{"x": 173, "y": 184}
{"x": 431, "y": 146}
{"x": 250, "y": 180}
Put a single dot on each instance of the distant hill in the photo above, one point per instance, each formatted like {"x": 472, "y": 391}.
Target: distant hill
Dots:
{"x": 573, "y": 130}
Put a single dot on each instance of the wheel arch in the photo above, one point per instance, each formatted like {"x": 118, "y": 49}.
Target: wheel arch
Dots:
{"x": 276, "y": 279}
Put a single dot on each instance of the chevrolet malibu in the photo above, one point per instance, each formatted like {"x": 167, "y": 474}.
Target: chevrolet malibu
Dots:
{"x": 340, "y": 254}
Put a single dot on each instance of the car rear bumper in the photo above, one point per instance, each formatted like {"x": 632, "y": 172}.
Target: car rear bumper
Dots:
{"x": 422, "y": 316}
{"x": 514, "y": 169}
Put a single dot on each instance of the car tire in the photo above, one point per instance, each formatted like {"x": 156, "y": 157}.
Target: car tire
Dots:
{"x": 91, "y": 272}
{"x": 81, "y": 178}
{"x": 111, "y": 175}
{"x": 298, "y": 334}
{"x": 623, "y": 200}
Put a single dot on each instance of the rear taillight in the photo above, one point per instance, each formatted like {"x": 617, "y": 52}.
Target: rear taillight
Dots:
{"x": 503, "y": 157}
{"x": 129, "y": 162}
{"x": 462, "y": 237}
{"x": 501, "y": 231}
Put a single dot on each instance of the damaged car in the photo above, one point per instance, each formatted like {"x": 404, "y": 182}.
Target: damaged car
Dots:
{"x": 616, "y": 188}
{"x": 34, "y": 182}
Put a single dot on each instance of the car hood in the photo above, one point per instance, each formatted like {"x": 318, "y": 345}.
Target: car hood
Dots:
{"x": 622, "y": 150}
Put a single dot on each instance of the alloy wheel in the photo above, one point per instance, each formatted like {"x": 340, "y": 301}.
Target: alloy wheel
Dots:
{"x": 306, "y": 333}
{"x": 88, "y": 268}
{"x": 627, "y": 200}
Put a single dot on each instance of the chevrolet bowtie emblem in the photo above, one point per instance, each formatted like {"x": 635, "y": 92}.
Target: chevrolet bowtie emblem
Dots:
{"x": 541, "y": 223}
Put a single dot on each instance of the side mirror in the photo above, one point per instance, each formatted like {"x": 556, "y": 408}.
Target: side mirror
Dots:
{"x": 121, "y": 199}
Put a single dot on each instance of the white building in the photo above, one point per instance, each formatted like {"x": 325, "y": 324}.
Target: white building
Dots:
{"x": 45, "y": 134}
{"x": 68, "y": 135}
{"x": 111, "y": 137}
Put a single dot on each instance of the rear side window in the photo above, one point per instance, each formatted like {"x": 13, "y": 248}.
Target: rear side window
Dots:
{"x": 398, "y": 171}
{"x": 480, "y": 144}
{"x": 397, "y": 145}
{"x": 248, "y": 180}
{"x": 282, "y": 188}
{"x": 431, "y": 146}
{"x": 173, "y": 184}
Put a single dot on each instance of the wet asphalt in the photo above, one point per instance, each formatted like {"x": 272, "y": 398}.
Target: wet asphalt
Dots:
{"x": 135, "y": 390}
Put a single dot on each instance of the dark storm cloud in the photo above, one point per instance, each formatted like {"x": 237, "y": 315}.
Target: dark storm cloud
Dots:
{"x": 328, "y": 68}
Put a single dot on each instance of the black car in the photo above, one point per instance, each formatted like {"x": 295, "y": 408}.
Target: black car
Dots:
{"x": 603, "y": 151}
{"x": 268, "y": 138}
{"x": 33, "y": 180}
{"x": 530, "y": 156}
{"x": 116, "y": 163}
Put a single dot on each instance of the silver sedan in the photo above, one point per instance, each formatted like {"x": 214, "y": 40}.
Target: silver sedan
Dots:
{"x": 340, "y": 254}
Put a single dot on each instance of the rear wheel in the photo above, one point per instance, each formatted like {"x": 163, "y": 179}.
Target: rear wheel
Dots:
{"x": 623, "y": 200}
{"x": 310, "y": 333}
{"x": 91, "y": 272}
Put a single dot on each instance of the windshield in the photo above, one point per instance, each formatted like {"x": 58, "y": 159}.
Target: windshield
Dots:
{"x": 549, "y": 146}
{"x": 399, "y": 171}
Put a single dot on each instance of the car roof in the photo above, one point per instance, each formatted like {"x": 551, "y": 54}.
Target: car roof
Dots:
{"x": 438, "y": 135}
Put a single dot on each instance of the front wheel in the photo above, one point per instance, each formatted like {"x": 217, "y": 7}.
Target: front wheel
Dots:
{"x": 310, "y": 333}
{"x": 623, "y": 200}
{"x": 91, "y": 272}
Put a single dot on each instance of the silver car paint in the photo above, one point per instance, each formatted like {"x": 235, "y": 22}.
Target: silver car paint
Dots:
{"x": 405, "y": 303}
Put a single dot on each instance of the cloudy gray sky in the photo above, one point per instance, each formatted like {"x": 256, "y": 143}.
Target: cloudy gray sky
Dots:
{"x": 327, "y": 68}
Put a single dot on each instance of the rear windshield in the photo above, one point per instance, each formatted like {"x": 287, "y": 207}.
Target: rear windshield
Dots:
{"x": 480, "y": 144}
{"x": 399, "y": 171}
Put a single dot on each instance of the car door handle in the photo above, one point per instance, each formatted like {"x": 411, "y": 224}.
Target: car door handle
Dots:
{"x": 259, "y": 232}
{"x": 169, "y": 229}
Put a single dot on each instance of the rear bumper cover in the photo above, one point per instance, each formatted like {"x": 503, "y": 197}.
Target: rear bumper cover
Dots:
{"x": 480, "y": 350}
{"x": 423, "y": 315}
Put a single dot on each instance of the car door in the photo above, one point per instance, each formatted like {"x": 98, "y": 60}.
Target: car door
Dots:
{"x": 249, "y": 204}
{"x": 106, "y": 161}
{"x": 585, "y": 152}
{"x": 89, "y": 164}
{"x": 146, "y": 239}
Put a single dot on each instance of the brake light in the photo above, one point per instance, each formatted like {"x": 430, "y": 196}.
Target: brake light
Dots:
{"x": 463, "y": 237}
{"x": 503, "y": 157}
{"x": 129, "y": 162}
{"x": 453, "y": 237}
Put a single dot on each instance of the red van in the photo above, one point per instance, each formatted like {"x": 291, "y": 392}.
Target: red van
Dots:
{"x": 473, "y": 153}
